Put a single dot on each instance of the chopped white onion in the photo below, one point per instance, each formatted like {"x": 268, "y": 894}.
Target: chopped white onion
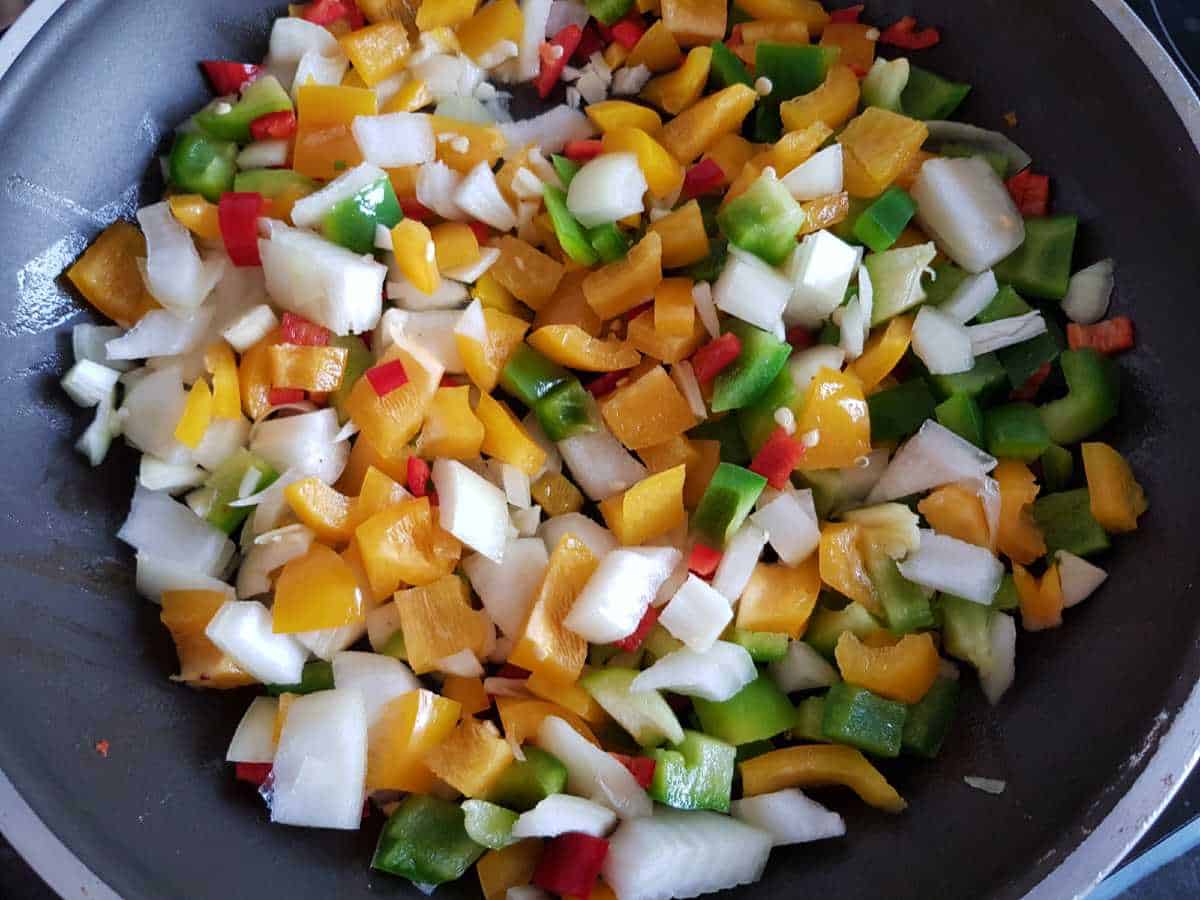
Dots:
{"x": 1003, "y": 333}
{"x": 437, "y": 184}
{"x": 805, "y": 364}
{"x": 591, "y": 772}
{"x": 156, "y": 475}
{"x": 292, "y": 37}
{"x": 685, "y": 379}
{"x": 934, "y": 456}
{"x": 382, "y": 623}
{"x": 599, "y": 540}
{"x": 469, "y": 273}
{"x": 803, "y": 669}
{"x": 706, "y": 308}
{"x": 716, "y": 674}
{"x": 751, "y": 290}
{"x": 1080, "y": 578}
{"x": 471, "y": 508}
{"x": 896, "y": 279}
{"x": 254, "y": 739}
{"x": 161, "y": 333}
{"x": 268, "y": 154}
{"x": 449, "y": 295}
{"x": 1089, "y": 293}
{"x": 380, "y": 679}
{"x": 250, "y": 327}
{"x": 431, "y": 329}
{"x": 526, "y": 521}
{"x": 941, "y": 343}
{"x": 971, "y": 297}
{"x": 564, "y": 13}
{"x": 608, "y": 188}
{"x": 615, "y": 598}
{"x": 515, "y": 484}
{"x": 310, "y": 211}
{"x": 161, "y": 527}
{"x": 479, "y": 197}
{"x": 997, "y": 676}
{"x": 789, "y": 817}
{"x": 790, "y": 522}
{"x": 819, "y": 176}
{"x": 223, "y": 438}
{"x": 819, "y": 269}
{"x": 269, "y": 552}
{"x": 738, "y": 562}
{"x": 600, "y": 464}
{"x": 992, "y": 786}
{"x": 155, "y": 574}
{"x": 88, "y": 383}
{"x": 174, "y": 273}
{"x": 90, "y": 342}
{"x": 507, "y": 588}
{"x": 853, "y": 321}
{"x": 447, "y": 75}
{"x": 947, "y": 564}
{"x": 551, "y": 131}
{"x": 697, "y": 614}
{"x": 562, "y": 813}
{"x": 242, "y": 630}
{"x": 629, "y": 80}
{"x": 396, "y": 139}
{"x": 307, "y": 443}
{"x": 534, "y": 15}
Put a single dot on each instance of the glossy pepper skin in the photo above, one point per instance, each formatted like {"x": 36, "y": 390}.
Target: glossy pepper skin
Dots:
{"x": 758, "y": 711}
{"x": 526, "y": 783}
{"x": 695, "y": 774}
{"x": 203, "y": 165}
{"x": 816, "y": 766}
{"x": 232, "y": 122}
{"x": 855, "y": 716}
{"x": 426, "y": 842}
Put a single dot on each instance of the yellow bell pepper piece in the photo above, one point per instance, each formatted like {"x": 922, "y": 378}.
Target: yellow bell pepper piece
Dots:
{"x": 505, "y": 438}
{"x": 416, "y": 255}
{"x": 197, "y": 215}
{"x": 642, "y": 335}
{"x": 569, "y": 306}
{"x": 700, "y": 457}
{"x": 819, "y": 765}
{"x": 615, "y": 55}
{"x": 254, "y": 376}
{"x": 664, "y": 176}
{"x": 108, "y": 276}
{"x": 388, "y": 11}
{"x": 316, "y": 591}
{"x": 699, "y": 126}
{"x": 391, "y": 421}
{"x": 377, "y": 51}
{"x": 528, "y": 274}
{"x": 326, "y": 511}
{"x": 571, "y": 346}
{"x": 377, "y": 492}
{"x": 521, "y": 718}
{"x": 842, "y": 567}
{"x": 364, "y": 457}
{"x": 790, "y": 151}
{"x": 227, "y": 396}
{"x": 855, "y": 41}
{"x": 904, "y": 672}
{"x": 511, "y": 867}
{"x": 493, "y": 295}
{"x": 484, "y": 362}
{"x": 324, "y": 145}
{"x": 403, "y": 544}
{"x": 472, "y": 758}
{"x": 407, "y": 729}
{"x": 545, "y": 644}
{"x": 780, "y": 598}
{"x": 412, "y": 96}
{"x": 484, "y": 143}
{"x": 454, "y": 245}
{"x": 1117, "y": 498}
{"x": 684, "y": 240}
{"x": 882, "y": 353}
{"x": 437, "y": 621}
{"x": 498, "y": 21}
{"x": 197, "y": 413}
{"x": 674, "y": 308}
{"x": 555, "y": 493}
{"x": 648, "y": 509}
{"x": 694, "y": 22}
{"x": 467, "y": 692}
{"x": 824, "y": 212}
{"x": 307, "y": 368}
{"x": 1041, "y": 601}
{"x": 656, "y": 49}
{"x": 647, "y": 411}
{"x": 404, "y": 179}
{"x": 905, "y": 180}
{"x": 444, "y": 13}
{"x": 810, "y": 12}
{"x": 619, "y": 286}
{"x": 794, "y": 32}
{"x": 1019, "y": 537}
{"x": 953, "y": 510}
{"x": 832, "y": 104}
{"x": 353, "y": 557}
{"x": 836, "y": 410}
{"x": 567, "y": 695}
{"x": 676, "y": 91}
{"x": 186, "y": 614}
{"x": 451, "y": 429}
{"x": 730, "y": 152}
{"x": 877, "y": 146}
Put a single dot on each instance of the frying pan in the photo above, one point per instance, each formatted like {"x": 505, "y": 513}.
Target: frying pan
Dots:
{"x": 1096, "y": 733}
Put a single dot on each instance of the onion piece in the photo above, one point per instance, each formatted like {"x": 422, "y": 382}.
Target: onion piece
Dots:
{"x": 534, "y": 14}
{"x": 971, "y": 297}
{"x": 738, "y": 562}
{"x": 684, "y": 377}
{"x": 437, "y": 184}
{"x": 997, "y": 676}
{"x": 564, "y": 13}
{"x": 706, "y": 308}
{"x": 941, "y": 343}
{"x": 599, "y": 540}
{"x": 600, "y": 464}
{"x": 992, "y": 786}
{"x": 893, "y": 526}
{"x": 561, "y": 813}
{"x": 591, "y": 772}
{"x": 380, "y": 679}
{"x": 161, "y": 527}
{"x": 161, "y": 333}
{"x": 156, "y": 475}
{"x": 507, "y": 588}
{"x": 90, "y": 342}
{"x": 479, "y": 197}
{"x": 820, "y": 269}
{"x": 310, "y": 211}
{"x": 615, "y": 598}
{"x": 292, "y": 37}
{"x": 270, "y": 552}
{"x": 506, "y": 687}
{"x": 395, "y": 139}
{"x": 254, "y": 739}
{"x": 383, "y": 623}
{"x": 431, "y": 329}
{"x": 551, "y": 131}
{"x": 805, "y": 364}
{"x": 1089, "y": 293}
{"x": 223, "y": 438}
{"x": 790, "y": 522}
{"x": 947, "y": 564}
{"x": 270, "y": 154}
{"x": 155, "y": 575}
{"x": 934, "y": 456}
{"x": 88, "y": 383}
{"x": 472, "y": 509}
{"x": 447, "y": 75}
{"x": 751, "y": 290}
{"x": 819, "y": 176}
{"x": 242, "y": 630}
{"x": 250, "y": 327}
{"x": 175, "y": 274}
{"x": 449, "y": 295}
{"x": 853, "y": 321}
{"x": 789, "y": 817}
{"x": 608, "y": 188}
{"x": 515, "y": 484}
{"x": 1080, "y": 578}
{"x": 965, "y": 207}
{"x": 306, "y": 442}
{"x": 942, "y": 131}
{"x": 803, "y": 669}
{"x": 696, "y": 614}
{"x": 715, "y": 674}
{"x": 472, "y": 272}
{"x": 1003, "y": 333}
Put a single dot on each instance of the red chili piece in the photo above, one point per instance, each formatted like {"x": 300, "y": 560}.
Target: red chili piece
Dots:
{"x": 735, "y": 38}
{"x": 704, "y": 560}
{"x": 276, "y": 126}
{"x": 606, "y": 383}
{"x": 414, "y": 210}
{"x": 252, "y": 773}
{"x": 554, "y": 56}
{"x": 387, "y": 377}
{"x": 583, "y": 151}
{"x": 326, "y": 12}
{"x": 642, "y": 767}
{"x": 1030, "y": 192}
{"x": 629, "y": 30}
{"x": 229, "y": 77}
{"x": 299, "y": 330}
{"x": 418, "y": 476}
{"x": 1110, "y": 336}
{"x": 905, "y": 35}
{"x": 238, "y": 215}
{"x": 483, "y": 234}
{"x": 277, "y": 396}
{"x": 777, "y": 458}
{"x": 633, "y": 641}
{"x": 714, "y": 357}
{"x": 860, "y": 72}
{"x": 450, "y": 381}
{"x": 800, "y": 337}
{"x": 705, "y": 177}
{"x": 847, "y": 16}
{"x": 1029, "y": 390}
{"x": 591, "y": 42}
{"x": 571, "y": 864}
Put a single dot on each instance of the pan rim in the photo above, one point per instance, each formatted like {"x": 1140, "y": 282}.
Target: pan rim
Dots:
{"x": 1177, "y": 751}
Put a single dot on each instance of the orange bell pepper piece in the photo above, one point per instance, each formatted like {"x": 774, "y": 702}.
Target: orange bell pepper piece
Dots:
{"x": 186, "y": 614}
{"x": 468, "y": 692}
{"x": 314, "y": 592}
{"x": 454, "y": 244}
{"x": 819, "y": 765}
{"x": 484, "y": 143}
{"x": 495, "y": 22}
{"x": 780, "y": 598}
{"x": 834, "y": 408}
{"x": 227, "y": 395}
{"x": 377, "y": 492}
{"x": 484, "y": 362}
{"x": 408, "y": 728}
{"x": 794, "y": 32}
{"x": 856, "y": 43}
{"x": 308, "y": 368}
{"x": 609, "y": 115}
{"x": 197, "y": 215}
{"x": 403, "y": 544}
{"x": 1116, "y": 497}
{"x": 451, "y": 429}
{"x": 324, "y": 145}
{"x": 618, "y": 287}
{"x": 569, "y": 306}
{"x": 511, "y": 867}
{"x": 530, "y": 275}
{"x": 877, "y": 146}
{"x": 555, "y": 494}
{"x": 810, "y": 12}
{"x": 444, "y": 13}
{"x": 684, "y": 240}
{"x": 674, "y": 308}
{"x": 790, "y": 151}
{"x": 700, "y": 457}
{"x": 505, "y": 438}
{"x": 694, "y": 22}
{"x": 1019, "y": 537}
{"x": 545, "y": 644}
{"x": 664, "y": 176}
{"x": 953, "y": 510}
{"x": 615, "y": 55}
{"x": 416, "y": 256}
{"x": 730, "y": 152}
{"x": 472, "y": 758}
{"x": 364, "y": 456}
{"x": 641, "y": 333}
{"x": 824, "y": 212}
{"x": 647, "y": 411}
{"x": 571, "y": 346}
{"x": 412, "y": 96}
{"x": 903, "y": 672}
{"x": 391, "y": 421}
{"x": 832, "y": 104}
{"x": 697, "y": 128}
{"x": 676, "y": 91}
{"x": 197, "y": 414}
{"x": 882, "y": 353}
{"x": 326, "y": 511}
{"x": 842, "y": 567}
{"x": 108, "y": 276}
{"x": 648, "y": 509}
{"x": 1041, "y": 602}
{"x": 521, "y": 718}
{"x": 378, "y": 51}
{"x": 254, "y": 376}
{"x": 567, "y": 695}
{"x": 437, "y": 621}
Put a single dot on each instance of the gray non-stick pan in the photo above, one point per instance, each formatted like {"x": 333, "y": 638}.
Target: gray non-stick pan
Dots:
{"x": 1091, "y": 740}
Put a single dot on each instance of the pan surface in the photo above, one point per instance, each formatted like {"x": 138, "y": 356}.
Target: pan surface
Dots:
{"x": 83, "y": 112}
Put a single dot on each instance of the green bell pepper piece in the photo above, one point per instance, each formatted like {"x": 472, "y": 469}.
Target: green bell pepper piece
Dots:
{"x": 764, "y": 221}
{"x": 827, "y": 625}
{"x": 571, "y": 235}
{"x": 316, "y": 676}
{"x": 881, "y": 223}
{"x": 1093, "y": 394}
{"x": 962, "y": 415}
{"x": 986, "y": 381}
{"x": 885, "y": 84}
{"x": 758, "y": 711}
{"x": 931, "y": 97}
{"x": 1007, "y": 597}
{"x": 727, "y": 501}
{"x": 1015, "y": 431}
{"x": 566, "y": 169}
{"x": 426, "y": 841}
{"x": 943, "y": 282}
{"x": 1041, "y": 267}
{"x": 763, "y": 646}
{"x": 855, "y": 716}
{"x": 1022, "y": 360}
{"x": 757, "y": 420}
{"x": 710, "y": 268}
{"x": 1058, "y": 467}
{"x": 273, "y": 183}
{"x": 351, "y": 222}
{"x": 488, "y": 824}
{"x": 358, "y": 360}
{"x": 905, "y": 605}
{"x": 725, "y": 431}
{"x": 832, "y": 491}
{"x": 1067, "y": 523}
{"x": 966, "y": 629}
{"x": 231, "y": 121}
{"x": 529, "y": 376}
{"x": 202, "y": 165}
{"x": 608, "y": 12}
{"x": 647, "y": 717}
{"x": 792, "y": 69}
{"x": 810, "y": 712}
{"x": 762, "y": 358}
{"x": 226, "y": 485}
{"x": 929, "y": 720}
{"x": 566, "y": 411}
{"x": 696, "y": 774}
{"x": 1005, "y": 305}
{"x": 726, "y": 69}
{"x": 526, "y": 783}
{"x": 609, "y": 242}
{"x": 845, "y": 228}
{"x": 900, "y": 411}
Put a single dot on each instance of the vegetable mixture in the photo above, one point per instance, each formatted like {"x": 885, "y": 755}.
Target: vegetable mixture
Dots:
{"x": 596, "y": 481}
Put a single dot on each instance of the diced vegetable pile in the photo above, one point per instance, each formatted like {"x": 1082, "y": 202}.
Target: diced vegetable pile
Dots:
{"x": 582, "y": 487}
